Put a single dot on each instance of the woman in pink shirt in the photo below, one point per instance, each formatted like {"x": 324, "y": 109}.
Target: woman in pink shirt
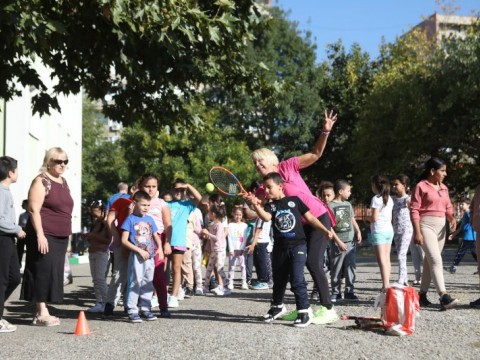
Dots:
{"x": 266, "y": 162}
{"x": 430, "y": 208}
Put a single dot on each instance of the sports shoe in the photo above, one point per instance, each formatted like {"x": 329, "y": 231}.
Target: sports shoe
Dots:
{"x": 314, "y": 296}
{"x": 181, "y": 294}
{"x": 199, "y": 292}
{"x": 6, "y": 327}
{"x": 274, "y": 312}
{"x": 244, "y": 286}
{"x": 165, "y": 314}
{"x": 336, "y": 297}
{"x": 219, "y": 291}
{"x": 351, "y": 297}
{"x": 147, "y": 315}
{"x": 230, "y": 285}
{"x": 446, "y": 302}
{"x": 67, "y": 279}
{"x": 304, "y": 318}
{"x": 325, "y": 316}
{"x": 451, "y": 269}
{"x": 227, "y": 291}
{"x": 97, "y": 308}
{"x": 260, "y": 286}
{"x": 154, "y": 302}
{"x": 135, "y": 318}
{"x": 189, "y": 293}
{"x": 108, "y": 310}
{"x": 422, "y": 300}
{"x": 475, "y": 304}
{"x": 173, "y": 302}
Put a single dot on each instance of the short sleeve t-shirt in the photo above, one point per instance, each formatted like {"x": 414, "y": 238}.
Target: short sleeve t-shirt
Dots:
{"x": 265, "y": 226}
{"x": 294, "y": 185}
{"x": 180, "y": 212}
{"x": 343, "y": 212}
{"x": 141, "y": 229}
{"x": 236, "y": 236}
{"x": 286, "y": 221}
{"x": 384, "y": 222}
{"x": 122, "y": 207}
{"x": 156, "y": 207}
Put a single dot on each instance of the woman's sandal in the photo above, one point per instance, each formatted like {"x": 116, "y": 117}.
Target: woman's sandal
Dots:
{"x": 48, "y": 320}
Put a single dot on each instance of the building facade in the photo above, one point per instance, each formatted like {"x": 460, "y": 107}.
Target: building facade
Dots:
{"x": 25, "y": 137}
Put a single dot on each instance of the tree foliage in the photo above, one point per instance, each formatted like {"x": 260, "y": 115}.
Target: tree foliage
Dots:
{"x": 286, "y": 113}
{"x": 186, "y": 153}
{"x": 103, "y": 162}
{"x": 423, "y": 102}
{"x": 150, "y": 56}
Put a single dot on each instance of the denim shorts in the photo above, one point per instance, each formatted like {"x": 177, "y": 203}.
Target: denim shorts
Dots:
{"x": 382, "y": 238}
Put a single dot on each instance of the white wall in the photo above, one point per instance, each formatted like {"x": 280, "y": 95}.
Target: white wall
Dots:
{"x": 29, "y": 136}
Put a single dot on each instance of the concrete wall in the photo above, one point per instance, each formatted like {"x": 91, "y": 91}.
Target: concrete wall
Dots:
{"x": 28, "y": 136}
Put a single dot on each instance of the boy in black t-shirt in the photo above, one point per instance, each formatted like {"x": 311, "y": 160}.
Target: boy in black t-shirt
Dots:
{"x": 289, "y": 253}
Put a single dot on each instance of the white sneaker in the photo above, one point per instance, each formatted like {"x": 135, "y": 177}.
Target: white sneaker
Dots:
{"x": 218, "y": 291}
{"x": 230, "y": 286}
{"x": 98, "y": 308}
{"x": 181, "y": 294}
{"x": 173, "y": 302}
{"x": 6, "y": 327}
{"x": 244, "y": 286}
{"x": 154, "y": 302}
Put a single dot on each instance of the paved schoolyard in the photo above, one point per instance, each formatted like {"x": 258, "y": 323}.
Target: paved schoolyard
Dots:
{"x": 210, "y": 327}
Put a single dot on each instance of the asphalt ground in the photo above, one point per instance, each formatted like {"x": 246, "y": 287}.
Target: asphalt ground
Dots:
{"x": 209, "y": 327}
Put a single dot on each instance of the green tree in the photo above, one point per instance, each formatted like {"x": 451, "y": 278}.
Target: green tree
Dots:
{"x": 186, "y": 152}
{"x": 151, "y": 57}
{"x": 346, "y": 82}
{"x": 103, "y": 162}
{"x": 287, "y": 113}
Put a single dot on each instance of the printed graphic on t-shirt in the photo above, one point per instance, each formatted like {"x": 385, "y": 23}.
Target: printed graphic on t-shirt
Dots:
{"x": 343, "y": 218}
{"x": 143, "y": 236}
{"x": 284, "y": 220}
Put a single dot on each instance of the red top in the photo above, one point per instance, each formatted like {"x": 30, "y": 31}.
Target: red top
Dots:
{"x": 428, "y": 201}
{"x": 122, "y": 207}
{"x": 56, "y": 211}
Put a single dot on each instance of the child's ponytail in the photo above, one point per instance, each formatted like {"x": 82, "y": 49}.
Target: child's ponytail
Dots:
{"x": 381, "y": 184}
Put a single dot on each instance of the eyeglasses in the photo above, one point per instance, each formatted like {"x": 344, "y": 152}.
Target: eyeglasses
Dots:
{"x": 60, "y": 162}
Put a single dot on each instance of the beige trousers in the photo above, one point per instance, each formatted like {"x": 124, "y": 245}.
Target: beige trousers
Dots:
{"x": 434, "y": 232}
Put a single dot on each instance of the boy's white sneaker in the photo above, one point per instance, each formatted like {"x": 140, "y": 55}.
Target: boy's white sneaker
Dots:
{"x": 244, "y": 286}
{"x": 230, "y": 286}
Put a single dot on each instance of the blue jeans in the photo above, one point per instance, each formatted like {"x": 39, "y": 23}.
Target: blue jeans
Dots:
{"x": 289, "y": 264}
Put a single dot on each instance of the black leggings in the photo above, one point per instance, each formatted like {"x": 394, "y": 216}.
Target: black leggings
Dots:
{"x": 317, "y": 243}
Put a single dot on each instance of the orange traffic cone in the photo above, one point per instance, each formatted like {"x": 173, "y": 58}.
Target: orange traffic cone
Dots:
{"x": 82, "y": 325}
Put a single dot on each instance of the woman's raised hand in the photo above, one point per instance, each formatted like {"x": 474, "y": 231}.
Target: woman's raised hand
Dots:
{"x": 330, "y": 120}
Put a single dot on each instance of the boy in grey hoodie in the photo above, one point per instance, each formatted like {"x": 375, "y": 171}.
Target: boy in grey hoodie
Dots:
{"x": 9, "y": 230}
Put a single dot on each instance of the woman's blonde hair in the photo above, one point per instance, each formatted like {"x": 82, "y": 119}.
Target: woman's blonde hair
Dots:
{"x": 50, "y": 155}
{"x": 267, "y": 155}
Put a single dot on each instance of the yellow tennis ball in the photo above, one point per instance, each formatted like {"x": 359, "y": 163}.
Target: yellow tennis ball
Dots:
{"x": 209, "y": 187}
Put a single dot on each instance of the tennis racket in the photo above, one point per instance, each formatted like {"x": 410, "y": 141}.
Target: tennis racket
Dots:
{"x": 226, "y": 182}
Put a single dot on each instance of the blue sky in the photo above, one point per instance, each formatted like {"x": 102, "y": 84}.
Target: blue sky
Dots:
{"x": 362, "y": 21}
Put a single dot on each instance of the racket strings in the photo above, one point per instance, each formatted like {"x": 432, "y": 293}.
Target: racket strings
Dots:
{"x": 224, "y": 181}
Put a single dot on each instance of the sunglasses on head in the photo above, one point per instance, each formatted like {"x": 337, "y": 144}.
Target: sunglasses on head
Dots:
{"x": 60, "y": 162}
